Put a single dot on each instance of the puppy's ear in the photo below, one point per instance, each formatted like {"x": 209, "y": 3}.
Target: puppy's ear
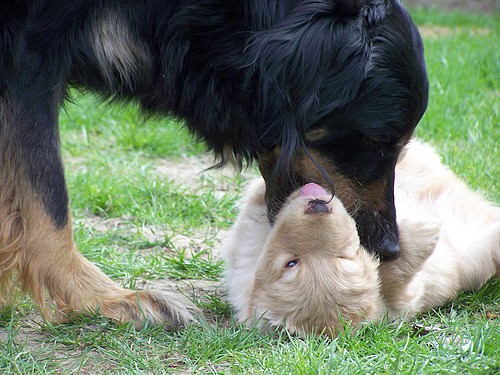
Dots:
{"x": 418, "y": 239}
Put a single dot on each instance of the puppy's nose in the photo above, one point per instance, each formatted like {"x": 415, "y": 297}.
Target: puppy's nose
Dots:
{"x": 318, "y": 206}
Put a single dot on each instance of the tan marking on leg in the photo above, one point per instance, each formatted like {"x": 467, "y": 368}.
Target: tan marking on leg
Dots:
{"x": 43, "y": 260}
{"x": 12, "y": 235}
{"x": 47, "y": 260}
{"x": 11, "y": 242}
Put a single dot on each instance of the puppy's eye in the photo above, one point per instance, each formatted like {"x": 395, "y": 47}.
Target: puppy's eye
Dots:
{"x": 292, "y": 263}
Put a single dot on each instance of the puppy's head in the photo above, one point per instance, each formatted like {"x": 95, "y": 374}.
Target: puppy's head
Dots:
{"x": 313, "y": 276}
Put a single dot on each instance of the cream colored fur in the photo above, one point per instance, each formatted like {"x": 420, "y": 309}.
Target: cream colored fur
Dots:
{"x": 450, "y": 239}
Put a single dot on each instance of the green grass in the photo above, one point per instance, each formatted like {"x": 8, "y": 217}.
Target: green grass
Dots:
{"x": 129, "y": 224}
{"x": 463, "y": 117}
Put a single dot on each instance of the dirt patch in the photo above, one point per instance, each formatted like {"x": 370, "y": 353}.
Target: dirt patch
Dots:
{"x": 205, "y": 241}
{"x": 485, "y": 6}
{"x": 431, "y": 31}
{"x": 434, "y": 31}
{"x": 189, "y": 170}
{"x": 33, "y": 337}
{"x": 194, "y": 245}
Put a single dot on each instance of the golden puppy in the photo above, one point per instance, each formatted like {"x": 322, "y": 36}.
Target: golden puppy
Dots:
{"x": 310, "y": 274}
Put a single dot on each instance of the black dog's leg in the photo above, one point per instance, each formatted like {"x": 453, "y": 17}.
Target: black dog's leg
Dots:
{"x": 36, "y": 239}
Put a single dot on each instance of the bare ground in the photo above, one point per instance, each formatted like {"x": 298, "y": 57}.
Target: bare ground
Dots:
{"x": 485, "y": 6}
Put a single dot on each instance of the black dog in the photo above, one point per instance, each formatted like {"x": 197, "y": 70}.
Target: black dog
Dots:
{"x": 313, "y": 90}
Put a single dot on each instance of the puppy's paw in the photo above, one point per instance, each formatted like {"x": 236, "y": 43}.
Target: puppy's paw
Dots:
{"x": 419, "y": 238}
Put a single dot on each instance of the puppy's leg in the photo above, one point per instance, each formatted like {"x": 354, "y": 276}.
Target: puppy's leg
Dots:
{"x": 418, "y": 240}
{"x": 36, "y": 241}
{"x": 479, "y": 257}
{"x": 495, "y": 250}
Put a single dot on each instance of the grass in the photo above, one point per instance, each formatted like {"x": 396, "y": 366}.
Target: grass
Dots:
{"x": 151, "y": 224}
{"x": 463, "y": 120}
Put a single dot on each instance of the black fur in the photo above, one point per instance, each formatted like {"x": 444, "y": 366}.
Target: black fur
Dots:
{"x": 246, "y": 76}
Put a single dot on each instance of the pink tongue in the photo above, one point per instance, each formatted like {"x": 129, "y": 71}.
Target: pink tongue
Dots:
{"x": 312, "y": 190}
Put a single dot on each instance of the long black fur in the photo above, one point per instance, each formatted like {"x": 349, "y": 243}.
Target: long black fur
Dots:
{"x": 247, "y": 76}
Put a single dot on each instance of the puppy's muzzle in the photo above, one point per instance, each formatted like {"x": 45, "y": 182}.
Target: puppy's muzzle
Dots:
{"x": 318, "y": 206}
